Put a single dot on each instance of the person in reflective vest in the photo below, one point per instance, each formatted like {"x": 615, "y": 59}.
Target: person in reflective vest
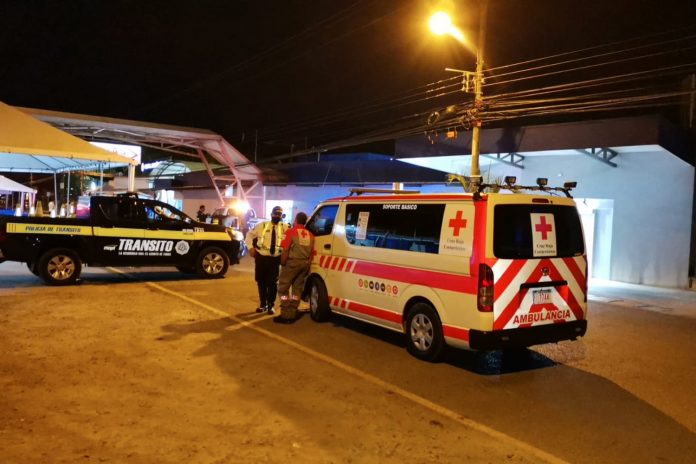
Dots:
{"x": 264, "y": 244}
{"x": 295, "y": 260}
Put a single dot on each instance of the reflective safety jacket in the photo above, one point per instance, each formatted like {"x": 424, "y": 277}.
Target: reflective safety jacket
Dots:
{"x": 260, "y": 237}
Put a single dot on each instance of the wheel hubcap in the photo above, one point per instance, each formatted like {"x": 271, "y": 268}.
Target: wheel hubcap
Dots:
{"x": 61, "y": 267}
{"x": 213, "y": 263}
{"x": 422, "y": 332}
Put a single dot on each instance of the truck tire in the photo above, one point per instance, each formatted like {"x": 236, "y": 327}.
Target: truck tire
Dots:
{"x": 59, "y": 266}
{"x": 319, "y": 309}
{"x": 212, "y": 263}
{"x": 424, "y": 338}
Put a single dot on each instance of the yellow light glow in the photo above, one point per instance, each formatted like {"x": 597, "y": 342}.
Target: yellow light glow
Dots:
{"x": 440, "y": 23}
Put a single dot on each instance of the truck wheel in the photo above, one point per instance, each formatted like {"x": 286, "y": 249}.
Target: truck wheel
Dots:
{"x": 424, "y": 333}
{"x": 32, "y": 268}
{"x": 319, "y": 309}
{"x": 59, "y": 266}
{"x": 212, "y": 263}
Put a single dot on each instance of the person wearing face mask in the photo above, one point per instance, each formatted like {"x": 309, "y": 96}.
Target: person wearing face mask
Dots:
{"x": 264, "y": 244}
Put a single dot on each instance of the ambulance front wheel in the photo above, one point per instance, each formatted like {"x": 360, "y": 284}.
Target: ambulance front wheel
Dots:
{"x": 212, "y": 263}
{"x": 59, "y": 266}
{"x": 319, "y": 309}
{"x": 424, "y": 333}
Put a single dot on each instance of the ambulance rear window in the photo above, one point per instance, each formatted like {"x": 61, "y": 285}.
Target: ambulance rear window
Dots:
{"x": 534, "y": 231}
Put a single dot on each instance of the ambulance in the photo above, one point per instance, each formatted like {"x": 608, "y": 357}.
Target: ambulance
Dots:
{"x": 481, "y": 271}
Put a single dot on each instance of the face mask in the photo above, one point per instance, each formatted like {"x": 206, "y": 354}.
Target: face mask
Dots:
{"x": 275, "y": 220}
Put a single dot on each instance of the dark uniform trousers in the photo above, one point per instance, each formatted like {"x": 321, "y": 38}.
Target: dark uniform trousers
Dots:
{"x": 266, "y": 274}
{"x": 292, "y": 276}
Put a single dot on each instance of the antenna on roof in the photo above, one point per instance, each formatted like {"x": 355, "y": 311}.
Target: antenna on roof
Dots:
{"x": 360, "y": 191}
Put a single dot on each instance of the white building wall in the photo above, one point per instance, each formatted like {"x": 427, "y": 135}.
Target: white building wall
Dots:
{"x": 652, "y": 193}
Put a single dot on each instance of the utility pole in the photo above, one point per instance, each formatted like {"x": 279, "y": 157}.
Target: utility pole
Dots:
{"x": 478, "y": 98}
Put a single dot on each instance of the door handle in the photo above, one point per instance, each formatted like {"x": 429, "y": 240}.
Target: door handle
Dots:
{"x": 327, "y": 246}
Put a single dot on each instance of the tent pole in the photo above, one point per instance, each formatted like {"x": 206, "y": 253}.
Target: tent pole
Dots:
{"x": 101, "y": 178}
{"x": 55, "y": 190}
{"x": 67, "y": 207}
{"x": 131, "y": 178}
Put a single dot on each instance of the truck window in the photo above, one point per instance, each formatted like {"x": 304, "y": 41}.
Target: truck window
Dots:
{"x": 410, "y": 227}
{"x": 513, "y": 231}
{"x": 321, "y": 222}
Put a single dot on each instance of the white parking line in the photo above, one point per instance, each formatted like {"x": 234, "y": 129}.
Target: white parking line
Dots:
{"x": 469, "y": 423}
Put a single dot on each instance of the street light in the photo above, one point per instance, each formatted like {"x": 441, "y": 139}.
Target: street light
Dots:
{"x": 440, "y": 23}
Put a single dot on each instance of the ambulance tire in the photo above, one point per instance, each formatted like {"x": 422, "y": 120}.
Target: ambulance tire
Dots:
{"x": 212, "y": 263}
{"x": 59, "y": 266}
{"x": 32, "y": 268}
{"x": 319, "y": 309}
{"x": 424, "y": 338}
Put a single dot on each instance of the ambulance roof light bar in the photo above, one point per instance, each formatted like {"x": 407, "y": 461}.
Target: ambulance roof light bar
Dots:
{"x": 360, "y": 191}
{"x": 542, "y": 185}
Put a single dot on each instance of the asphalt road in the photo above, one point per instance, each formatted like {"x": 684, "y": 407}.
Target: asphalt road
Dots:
{"x": 622, "y": 394}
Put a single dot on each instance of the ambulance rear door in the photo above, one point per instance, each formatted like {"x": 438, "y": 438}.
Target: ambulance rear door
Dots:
{"x": 540, "y": 266}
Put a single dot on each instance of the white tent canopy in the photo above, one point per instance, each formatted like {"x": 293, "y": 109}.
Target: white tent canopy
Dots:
{"x": 9, "y": 186}
{"x": 30, "y": 145}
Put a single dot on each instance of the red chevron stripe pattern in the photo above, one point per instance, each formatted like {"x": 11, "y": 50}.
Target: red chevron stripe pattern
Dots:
{"x": 524, "y": 307}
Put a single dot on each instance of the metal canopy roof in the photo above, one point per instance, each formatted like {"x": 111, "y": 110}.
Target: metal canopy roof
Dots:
{"x": 184, "y": 141}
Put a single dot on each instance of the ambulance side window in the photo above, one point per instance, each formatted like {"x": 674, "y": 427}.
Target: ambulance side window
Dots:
{"x": 396, "y": 227}
{"x": 322, "y": 221}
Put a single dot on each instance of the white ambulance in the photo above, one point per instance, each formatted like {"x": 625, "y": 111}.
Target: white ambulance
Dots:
{"x": 476, "y": 271}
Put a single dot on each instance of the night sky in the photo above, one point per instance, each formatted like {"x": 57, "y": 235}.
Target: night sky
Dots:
{"x": 282, "y": 67}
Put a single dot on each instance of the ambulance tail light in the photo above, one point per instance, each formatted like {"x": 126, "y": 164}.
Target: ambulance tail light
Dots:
{"x": 485, "y": 289}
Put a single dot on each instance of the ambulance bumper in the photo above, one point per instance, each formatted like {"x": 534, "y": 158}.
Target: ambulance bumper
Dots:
{"x": 528, "y": 336}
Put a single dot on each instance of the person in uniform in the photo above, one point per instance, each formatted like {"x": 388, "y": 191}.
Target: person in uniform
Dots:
{"x": 201, "y": 215}
{"x": 264, "y": 244}
{"x": 295, "y": 261}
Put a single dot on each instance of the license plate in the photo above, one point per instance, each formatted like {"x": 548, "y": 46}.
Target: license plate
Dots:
{"x": 542, "y": 296}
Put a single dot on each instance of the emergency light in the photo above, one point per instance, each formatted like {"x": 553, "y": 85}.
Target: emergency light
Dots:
{"x": 510, "y": 180}
{"x": 570, "y": 185}
{"x": 542, "y": 181}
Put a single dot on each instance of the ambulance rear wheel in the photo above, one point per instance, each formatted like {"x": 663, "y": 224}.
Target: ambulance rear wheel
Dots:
{"x": 319, "y": 309}
{"x": 59, "y": 266}
{"x": 424, "y": 337}
{"x": 212, "y": 263}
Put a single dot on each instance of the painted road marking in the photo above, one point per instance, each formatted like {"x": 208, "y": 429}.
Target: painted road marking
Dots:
{"x": 456, "y": 417}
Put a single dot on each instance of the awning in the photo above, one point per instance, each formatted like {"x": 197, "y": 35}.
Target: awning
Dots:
{"x": 10, "y": 186}
{"x": 29, "y": 145}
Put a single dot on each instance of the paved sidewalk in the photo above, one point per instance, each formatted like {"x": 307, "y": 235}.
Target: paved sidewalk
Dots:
{"x": 678, "y": 302}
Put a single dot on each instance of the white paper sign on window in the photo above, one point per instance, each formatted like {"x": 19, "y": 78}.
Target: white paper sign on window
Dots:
{"x": 543, "y": 234}
{"x": 361, "y": 232}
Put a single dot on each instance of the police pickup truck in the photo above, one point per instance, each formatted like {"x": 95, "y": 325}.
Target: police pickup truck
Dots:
{"x": 121, "y": 230}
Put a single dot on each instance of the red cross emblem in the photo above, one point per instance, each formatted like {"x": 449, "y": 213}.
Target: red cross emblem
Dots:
{"x": 303, "y": 233}
{"x": 457, "y": 223}
{"x": 543, "y": 227}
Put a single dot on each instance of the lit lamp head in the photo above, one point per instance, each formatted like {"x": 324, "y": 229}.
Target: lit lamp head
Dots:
{"x": 510, "y": 180}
